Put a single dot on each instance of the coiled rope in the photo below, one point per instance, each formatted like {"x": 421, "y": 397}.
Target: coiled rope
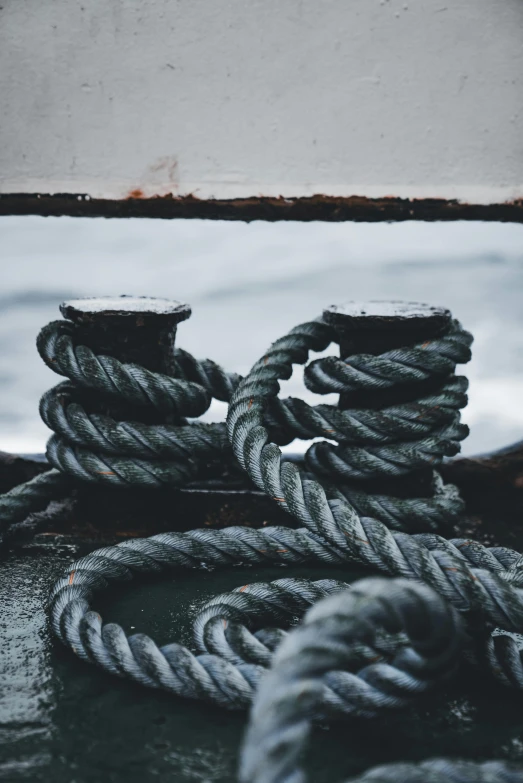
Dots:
{"x": 291, "y": 693}
{"x": 91, "y": 447}
{"x": 375, "y": 646}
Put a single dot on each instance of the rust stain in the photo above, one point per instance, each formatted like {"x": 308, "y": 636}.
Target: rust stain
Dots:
{"x": 71, "y": 577}
{"x": 162, "y": 176}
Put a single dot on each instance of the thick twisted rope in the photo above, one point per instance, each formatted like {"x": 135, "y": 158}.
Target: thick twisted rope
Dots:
{"x": 290, "y": 695}
{"x": 171, "y": 667}
{"x": 29, "y": 498}
{"x": 478, "y": 581}
{"x": 222, "y": 630}
{"x": 436, "y": 357}
{"x": 367, "y": 540}
{"x": 232, "y": 649}
{"x": 489, "y": 595}
{"x": 91, "y": 447}
{"x": 381, "y": 668}
{"x": 231, "y": 659}
{"x": 408, "y": 514}
{"x": 97, "y": 448}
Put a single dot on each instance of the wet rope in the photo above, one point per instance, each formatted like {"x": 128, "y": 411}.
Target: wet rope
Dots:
{"x": 291, "y": 694}
{"x": 91, "y": 447}
{"x": 367, "y": 649}
{"x": 233, "y": 648}
{"x": 479, "y": 582}
{"x": 373, "y": 647}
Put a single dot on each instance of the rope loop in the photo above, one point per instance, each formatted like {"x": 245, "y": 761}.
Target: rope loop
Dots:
{"x": 97, "y": 448}
{"x": 435, "y": 358}
{"x": 291, "y": 693}
{"x": 362, "y": 649}
{"x": 91, "y": 446}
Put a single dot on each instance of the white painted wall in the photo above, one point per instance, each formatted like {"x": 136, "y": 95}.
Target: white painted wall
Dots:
{"x": 236, "y": 98}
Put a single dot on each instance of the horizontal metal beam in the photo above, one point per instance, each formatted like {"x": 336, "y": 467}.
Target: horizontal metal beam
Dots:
{"x": 251, "y": 109}
{"x": 318, "y": 207}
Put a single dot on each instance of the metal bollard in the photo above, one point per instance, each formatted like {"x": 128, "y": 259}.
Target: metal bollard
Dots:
{"x": 373, "y": 328}
{"x": 139, "y": 330}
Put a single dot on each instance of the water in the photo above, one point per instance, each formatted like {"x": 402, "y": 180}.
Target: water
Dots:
{"x": 249, "y": 283}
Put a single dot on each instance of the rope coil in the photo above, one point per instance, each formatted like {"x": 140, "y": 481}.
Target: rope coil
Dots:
{"x": 374, "y": 646}
{"x": 93, "y": 447}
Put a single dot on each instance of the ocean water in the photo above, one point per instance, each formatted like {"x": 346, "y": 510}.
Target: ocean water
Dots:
{"x": 249, "y": 283}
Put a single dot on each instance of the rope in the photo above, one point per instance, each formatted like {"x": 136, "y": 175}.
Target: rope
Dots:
{"x": 95, "y": 448}
{"x": 475, "y": 579}
{"x": 293, "y": 690}
{"x": 372, "y": 647}
{"x": 233, "y": 652}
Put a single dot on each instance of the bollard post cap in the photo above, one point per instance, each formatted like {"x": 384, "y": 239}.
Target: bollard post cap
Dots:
{"x": 91, "y": 309}
{"x": 387, "y": 316}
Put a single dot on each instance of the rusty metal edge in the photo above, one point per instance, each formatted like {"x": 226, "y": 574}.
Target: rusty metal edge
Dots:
{"x": 318, "y": 207}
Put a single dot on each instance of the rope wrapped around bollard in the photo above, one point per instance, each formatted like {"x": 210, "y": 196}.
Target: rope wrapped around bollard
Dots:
{"x": 92, "y": 443}
{"x": 375, "y": 646}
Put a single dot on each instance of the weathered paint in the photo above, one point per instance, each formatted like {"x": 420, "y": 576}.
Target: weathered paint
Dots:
{"x": 227, "y": 100}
